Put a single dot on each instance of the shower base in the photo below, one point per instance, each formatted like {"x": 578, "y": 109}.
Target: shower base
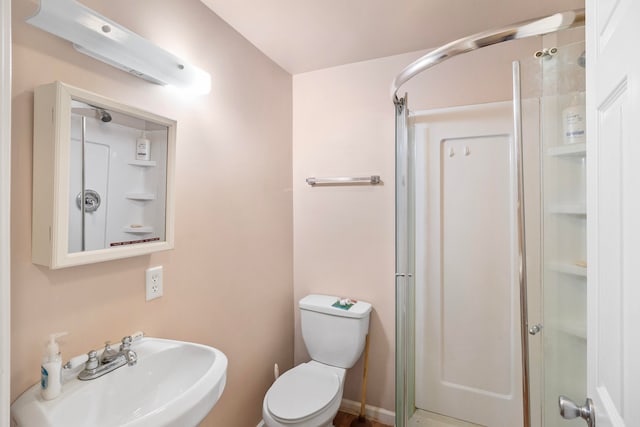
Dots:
{"x": 429, "y": 419}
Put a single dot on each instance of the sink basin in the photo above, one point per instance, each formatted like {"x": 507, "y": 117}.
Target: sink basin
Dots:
{"x": 174, "y": 383}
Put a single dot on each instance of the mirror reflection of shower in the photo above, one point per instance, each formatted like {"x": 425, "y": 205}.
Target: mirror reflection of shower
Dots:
{"x": 83, "y": 109}
{"x": 115, "y": 198}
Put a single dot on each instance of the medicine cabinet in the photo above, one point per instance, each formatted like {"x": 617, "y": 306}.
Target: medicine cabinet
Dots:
{"x": 103, "y": 176}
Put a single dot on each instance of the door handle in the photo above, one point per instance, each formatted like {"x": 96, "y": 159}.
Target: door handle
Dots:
{"x": 570, "y": 410}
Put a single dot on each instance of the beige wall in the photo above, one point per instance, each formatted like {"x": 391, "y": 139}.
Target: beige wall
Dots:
{"x": 228, "y": 283}
{"x": 343, "y": 125}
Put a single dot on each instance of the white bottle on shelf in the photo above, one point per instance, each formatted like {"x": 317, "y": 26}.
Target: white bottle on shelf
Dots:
{"x": 574, "y": 120}
{"x": 143, "y": 148}
{"x": 51, "y": 369}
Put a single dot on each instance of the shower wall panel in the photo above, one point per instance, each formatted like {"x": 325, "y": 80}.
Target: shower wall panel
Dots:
{"x": 467, "y": 326}
{"x": 97, "y": 163}
{"x": 476, "y": 283}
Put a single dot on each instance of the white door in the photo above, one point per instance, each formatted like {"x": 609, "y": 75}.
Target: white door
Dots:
{"x": 613, "y": 197}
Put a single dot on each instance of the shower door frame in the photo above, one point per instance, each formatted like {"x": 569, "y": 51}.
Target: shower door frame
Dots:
{"x": 404, "y": 265}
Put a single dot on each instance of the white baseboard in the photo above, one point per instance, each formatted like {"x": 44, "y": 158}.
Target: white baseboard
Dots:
{"x": 372, "y": 412}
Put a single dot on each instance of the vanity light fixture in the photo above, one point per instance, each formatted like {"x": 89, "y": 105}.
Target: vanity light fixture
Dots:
{"x": 110, "y": 42}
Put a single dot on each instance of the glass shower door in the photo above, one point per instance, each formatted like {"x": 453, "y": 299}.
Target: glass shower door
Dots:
{"x": 564, "y": 237}
{"x": 553, "y": 92}
{"x": 559, "y": 324}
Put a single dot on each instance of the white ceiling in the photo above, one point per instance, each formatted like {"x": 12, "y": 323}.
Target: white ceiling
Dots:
{"x": 306, "y": 35}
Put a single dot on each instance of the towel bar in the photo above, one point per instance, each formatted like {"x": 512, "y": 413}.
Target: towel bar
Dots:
{"x": 345, "y": 180}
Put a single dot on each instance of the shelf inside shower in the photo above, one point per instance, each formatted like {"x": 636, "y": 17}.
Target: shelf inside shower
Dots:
{"x": 568, "y": 150}
{"x": 568, "y": 268}
{"x": 573, "y": 329}
{"x": 568, "y": 209}
{"x": 566, "y": 326}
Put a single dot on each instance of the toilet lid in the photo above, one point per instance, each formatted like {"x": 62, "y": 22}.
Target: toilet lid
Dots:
{"x": 302, "y": 392}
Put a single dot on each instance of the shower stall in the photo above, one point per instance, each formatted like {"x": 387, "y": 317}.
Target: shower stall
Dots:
{"x": 491, "y": 241}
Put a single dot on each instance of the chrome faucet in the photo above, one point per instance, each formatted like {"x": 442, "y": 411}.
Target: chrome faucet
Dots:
{"x": 110, "y": 360}
{"x": 108, "y": 354}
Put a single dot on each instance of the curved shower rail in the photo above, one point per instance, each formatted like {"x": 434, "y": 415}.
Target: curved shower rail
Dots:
{"x": 534, "y": 27}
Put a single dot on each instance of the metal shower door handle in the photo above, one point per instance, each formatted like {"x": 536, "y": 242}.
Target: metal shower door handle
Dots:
{"x": 570, "y": 410}
{"x": 535, "y": 329}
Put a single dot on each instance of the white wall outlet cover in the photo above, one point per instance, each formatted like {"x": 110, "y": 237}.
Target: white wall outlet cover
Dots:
{"x": 153, "y": 282}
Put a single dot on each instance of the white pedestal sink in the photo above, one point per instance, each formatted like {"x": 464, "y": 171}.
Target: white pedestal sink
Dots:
{"x": 174, "y": 383}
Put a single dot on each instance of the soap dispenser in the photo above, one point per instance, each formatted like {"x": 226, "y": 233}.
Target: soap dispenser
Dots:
{"x": 51, "y": 369}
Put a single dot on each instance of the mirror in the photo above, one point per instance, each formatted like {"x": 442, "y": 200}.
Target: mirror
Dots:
{"x": 103, "y": 175}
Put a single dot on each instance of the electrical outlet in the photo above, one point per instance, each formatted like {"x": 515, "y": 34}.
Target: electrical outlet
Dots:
{"x": 154, "y": 282}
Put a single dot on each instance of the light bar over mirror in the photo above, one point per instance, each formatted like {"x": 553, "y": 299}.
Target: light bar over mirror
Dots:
{"x": 110, "y": 42}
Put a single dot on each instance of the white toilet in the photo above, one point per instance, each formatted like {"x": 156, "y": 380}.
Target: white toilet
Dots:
{"x": 309, "y": 395}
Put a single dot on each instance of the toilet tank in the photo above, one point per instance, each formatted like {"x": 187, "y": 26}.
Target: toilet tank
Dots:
{"x": 333, "y": 336}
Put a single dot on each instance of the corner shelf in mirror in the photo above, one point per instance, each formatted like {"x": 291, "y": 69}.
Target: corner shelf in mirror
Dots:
{"x": 143, "y": 163}
{"x": 138, "y": 230}
{"x": 141, "y": 196}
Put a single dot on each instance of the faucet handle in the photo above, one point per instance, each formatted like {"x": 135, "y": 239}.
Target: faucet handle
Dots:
{"x": 126, "y": 343}
{"x": 92, "y": 361}
{"x": 131, "y": 357}
{"x": 74, "y": 362}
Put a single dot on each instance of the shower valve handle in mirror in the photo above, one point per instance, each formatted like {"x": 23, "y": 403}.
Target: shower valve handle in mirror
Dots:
{"x": 535, "y": 329}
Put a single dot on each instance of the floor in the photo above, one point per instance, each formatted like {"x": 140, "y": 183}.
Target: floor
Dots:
{"x": 344, "y": 420}
{"x": 428, "y": 419}
{"x": 419, "y": 419}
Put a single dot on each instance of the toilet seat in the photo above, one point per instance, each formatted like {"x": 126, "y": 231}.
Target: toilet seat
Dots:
{"x": 302, "y": 392}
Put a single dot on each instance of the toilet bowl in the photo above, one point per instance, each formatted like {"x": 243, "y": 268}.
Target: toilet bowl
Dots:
{"x": 308, "y": 395}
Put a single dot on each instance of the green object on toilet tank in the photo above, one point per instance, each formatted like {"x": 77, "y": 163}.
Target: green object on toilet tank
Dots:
{"x": 344, "y": 304}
